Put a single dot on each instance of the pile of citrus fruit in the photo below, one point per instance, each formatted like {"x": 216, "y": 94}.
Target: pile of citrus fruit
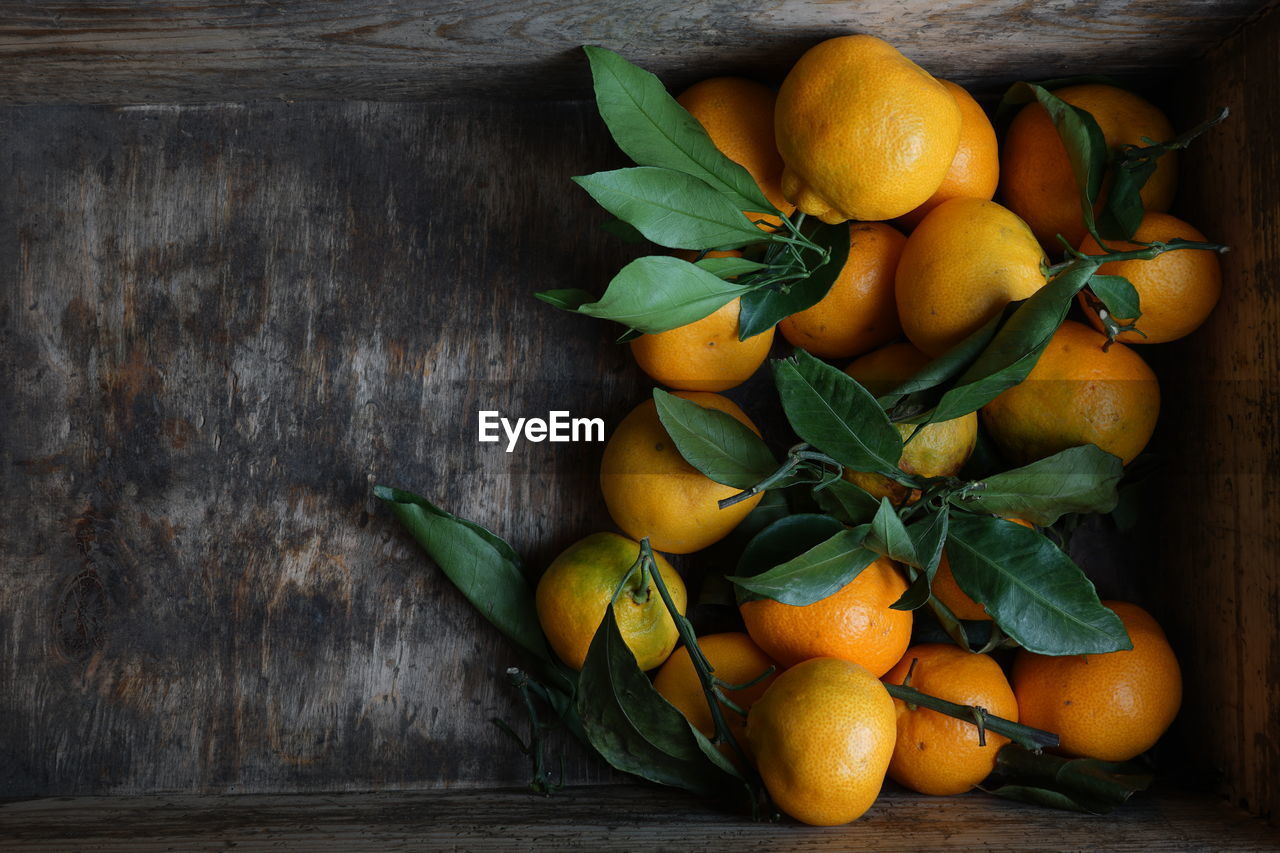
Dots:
{"x": 854, "y": 210}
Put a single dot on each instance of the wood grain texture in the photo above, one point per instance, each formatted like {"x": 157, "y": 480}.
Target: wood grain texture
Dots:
{"x": 125, "y": 51}
{"x": 218, "y": 328}
{"x": 611, "y": 818}
{"x": 1219, "y": 556}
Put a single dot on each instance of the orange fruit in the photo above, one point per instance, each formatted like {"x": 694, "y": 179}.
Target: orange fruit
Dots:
{"x": 704, "y": 355}
{"x": 738, "y": 116}
{"x": 865, "y": 133}
{"x": 735, "y": 660}
{"x": 823, "y": 734}
{"x": 1176, "y": 290}
{"x": 1036, "y": 180}
{"x": 854, "y": 623}
{"x": 651, "y": 491}
{"x": 938, "y": 450}
{"x": 1112, "y": 706}
{"x": 576, "y": 588}
{"x": 945, "y": 589}
{"x": 964, "y": 262}
{"x": 935, "y": 753}
{"x": 975, "y": 169}
{"x": 858, "y": 313}
{"x": 1077, "y": 394}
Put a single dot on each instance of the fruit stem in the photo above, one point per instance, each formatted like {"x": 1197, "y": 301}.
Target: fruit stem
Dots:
{"x": 1033, "y": 739}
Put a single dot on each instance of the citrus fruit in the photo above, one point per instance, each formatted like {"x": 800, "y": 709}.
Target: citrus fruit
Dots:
{"x": 865, "y": 133}
{"x": 577, "y": 587}
{"x": 975, "y": 169}
{"x": 738, "y": 116}
{"x": 858, "y": 313}
{"x": 945, "y": 589}
{"x": 734, "y": 659}
{"x": 937, "y": 450}
{"x": 965, "y": 261}
{"x": 704, "y": 355}
{"x": 854, "y": 623}
{"x": 1111, "y": 706}
{"x": 823, "y": 734}
{"x": 651, "y": 491}
{"x": 1036, "y": 180}
{"x": 1176, "y": 290}
{"x": 935, "y": 753}
{"x": 1077, "y": 394}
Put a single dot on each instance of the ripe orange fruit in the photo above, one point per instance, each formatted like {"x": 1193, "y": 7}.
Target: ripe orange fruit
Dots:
{"x": 1036, "y": 180}
{"x": 738, "y": 116}
{"x": 1112, "y": 706}
{"x": 935, "y": 753}
{"x": 946, "y": 590}
{"x": 823, "y": 735}
{"x": 939, "y": 450}
{"x": 1077, "y": 394}
{"x": 855, "y": 623}
{"x": 964, "y": 262}
{"x": 704, "y": 355}
{"x": 1176, "y": 290}
{"x": 865, "y": 132}
{"x": 859, "y": 312}
{"x": 651, "y": 491}
{"x": 734, "y": 659}
{"x": 975, "y": 169}
{"x": 577, "y": 587}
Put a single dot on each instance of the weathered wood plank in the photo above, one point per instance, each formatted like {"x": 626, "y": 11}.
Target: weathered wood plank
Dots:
{"x": 610, "y": 818}
{"x": 124, "y": 51}
{"x": 218, "y": 328}
{"x": 1218, "y": 567}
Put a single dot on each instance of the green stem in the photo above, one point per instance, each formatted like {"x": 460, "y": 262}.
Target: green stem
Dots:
{"x": 1033, "y": 739}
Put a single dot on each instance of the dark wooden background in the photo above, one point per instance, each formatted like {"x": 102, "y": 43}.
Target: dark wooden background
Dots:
{"x": 221, "y": 324}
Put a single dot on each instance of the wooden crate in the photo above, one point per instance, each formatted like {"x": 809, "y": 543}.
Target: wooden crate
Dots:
{"x": 255, "y": 258}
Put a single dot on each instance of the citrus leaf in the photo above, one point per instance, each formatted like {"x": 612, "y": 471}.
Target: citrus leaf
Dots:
{"x": 1118, "y": 294}
{"x": 714, "y": 442}
{"x": 1074, "y": 784}
{"x": 764, "y": 308}
{"x": 812, "y": 571}
{"x": 728, "y": 267}
{"x": 1078, "y": 479}
{"x": 657, "y": 293}
{"x": 568, "y": 299}
{"x": 1033, "y": 590}
{"x": 846, "y": 501}
{"x": 831, "y": 411}
{"x": 632, "y": 727}
{"x": 928, "y": 535}
{"x": 1018, "y": 95}
{"x": 671, "y": 208}
{"x": 888, "y": 535}
{"x": 653, "y": 129}
{"x": 624, "y": 232}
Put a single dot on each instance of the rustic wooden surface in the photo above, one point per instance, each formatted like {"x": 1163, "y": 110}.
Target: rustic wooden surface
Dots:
{"x": 1218, "y": 564}
{"x": 148, "y": 51}
{"x": 610, "y": 818}
{"x": 218, "y": 328}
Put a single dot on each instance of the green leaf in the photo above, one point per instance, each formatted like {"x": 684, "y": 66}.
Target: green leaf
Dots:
{"x": 846, "y": 501}
{"x": 728, "y": 267}
{"x": 657, "y": 293}
{"x": 482, "y": 566}
{"x": 928, "y": 535}
{"x": 1037, "y": 595}
{"x": 1016, "y": 347}
{"x": 633, "y": 728}
{"x": 569, "y": 299}
{"x": 654, "y": 130}
{"x": 1074, "y": 784}
{"x": 624, "y": 232}
{"x": 763, "y": 308}
{"x": 1019, "y": 94}
{"x": 714, "y": 442}
{"x": 832, "y": 412}
{"x": 1118, "y": 294}
{"x": 671, "y": 208}
{"x": 803, "y": 570}
{"x": 888, "y": 535}
{"x": 1079, "y": 479}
